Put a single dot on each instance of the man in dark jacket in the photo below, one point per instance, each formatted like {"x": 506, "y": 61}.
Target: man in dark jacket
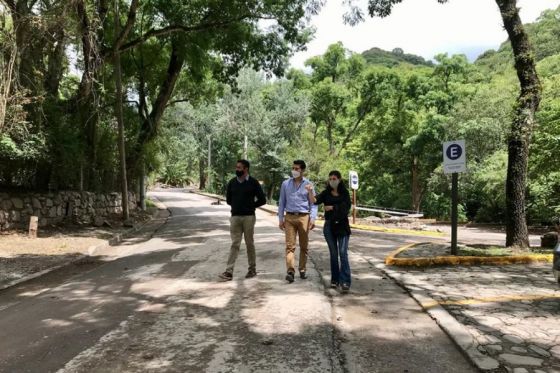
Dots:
{"x": 244, "y": 194}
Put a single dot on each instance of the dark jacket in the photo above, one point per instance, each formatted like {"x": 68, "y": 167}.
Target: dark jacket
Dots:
{"x": 337, "y": 219}
{"x": 244, "y": 197}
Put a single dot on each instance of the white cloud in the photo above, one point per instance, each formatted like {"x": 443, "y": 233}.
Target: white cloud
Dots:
{"x": 422, "y": 27}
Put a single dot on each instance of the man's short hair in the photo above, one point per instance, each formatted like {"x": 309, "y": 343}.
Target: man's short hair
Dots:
{"x": 300, "y": 163}
{"x": 244, "y": 162}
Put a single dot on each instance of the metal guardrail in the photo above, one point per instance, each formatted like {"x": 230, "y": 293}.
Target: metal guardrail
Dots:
{"x": 392, "y": 212}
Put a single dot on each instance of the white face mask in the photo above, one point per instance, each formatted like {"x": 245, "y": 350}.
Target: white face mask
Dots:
{"x": 334, "y": 183}
{"x": 295, "y": 174}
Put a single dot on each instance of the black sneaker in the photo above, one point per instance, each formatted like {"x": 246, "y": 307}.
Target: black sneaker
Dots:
{"x": 290, "y": 277}
{"x": 345, "y": 288}
{"x": 251, "y": 274}
{"x": 226, "y": 276}
{"x": 302, "y": 275}
{"x": 334, "y": 285}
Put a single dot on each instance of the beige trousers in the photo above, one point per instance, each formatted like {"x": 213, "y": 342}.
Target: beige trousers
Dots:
{"x": 296, "y": 225}
{"x": 242, "y": 227}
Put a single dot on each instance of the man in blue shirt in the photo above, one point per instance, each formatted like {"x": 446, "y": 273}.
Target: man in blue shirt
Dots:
{"x": 299, "y": 218}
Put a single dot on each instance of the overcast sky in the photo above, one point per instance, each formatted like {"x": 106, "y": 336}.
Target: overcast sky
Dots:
{"x": 422, "y": 27}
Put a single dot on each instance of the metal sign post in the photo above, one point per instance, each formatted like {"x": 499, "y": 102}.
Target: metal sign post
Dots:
{"x": 454, "y": 161}
{"x": 354, "y": 182}
{"x": 454, "y": 217}
{"x": 354, "y": 204}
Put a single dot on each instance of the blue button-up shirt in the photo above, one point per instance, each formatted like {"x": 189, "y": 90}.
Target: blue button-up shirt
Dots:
{"x": 295, "y": 199}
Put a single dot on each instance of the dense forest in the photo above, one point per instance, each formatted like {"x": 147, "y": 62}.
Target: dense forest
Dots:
{"x": 201, "y": 84}
{"x": 385, "y": 115}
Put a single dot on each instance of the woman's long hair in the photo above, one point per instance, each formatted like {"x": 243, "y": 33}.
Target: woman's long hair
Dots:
{"x": 341, "y": 186}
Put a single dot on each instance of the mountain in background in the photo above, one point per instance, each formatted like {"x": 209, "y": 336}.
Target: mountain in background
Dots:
{"x": 544, "y": 35}
{"x": 377, "y": 56}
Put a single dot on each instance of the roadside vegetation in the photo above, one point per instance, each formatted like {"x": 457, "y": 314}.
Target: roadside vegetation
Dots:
{"x": 206, "y": 83}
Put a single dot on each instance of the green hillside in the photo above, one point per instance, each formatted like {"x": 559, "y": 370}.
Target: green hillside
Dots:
{"x": 544, "y": 35}
{"x": 377, "y": 56}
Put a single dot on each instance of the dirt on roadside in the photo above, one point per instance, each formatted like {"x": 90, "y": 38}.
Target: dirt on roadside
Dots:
{"x": 21, "y": 256}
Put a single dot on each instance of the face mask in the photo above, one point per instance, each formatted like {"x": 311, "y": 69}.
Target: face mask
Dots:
{"x": 295, "y": 174}
{"x": 239, "y": 173}
{"x": 334, "y": 183}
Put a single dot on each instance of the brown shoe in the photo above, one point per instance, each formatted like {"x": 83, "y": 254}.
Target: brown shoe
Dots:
{"x": 251, "y": 274}
{"x": 226, "y": 276}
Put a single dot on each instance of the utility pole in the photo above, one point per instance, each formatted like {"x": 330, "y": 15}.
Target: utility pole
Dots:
{"x": 209, "y": 162}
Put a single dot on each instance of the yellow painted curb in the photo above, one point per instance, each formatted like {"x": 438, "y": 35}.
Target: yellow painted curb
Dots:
{"x": 463, "y": 260}
{"x": 374, "y": 228}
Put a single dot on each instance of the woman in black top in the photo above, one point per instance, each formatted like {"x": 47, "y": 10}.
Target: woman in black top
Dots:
{"x": 336, "y": 200}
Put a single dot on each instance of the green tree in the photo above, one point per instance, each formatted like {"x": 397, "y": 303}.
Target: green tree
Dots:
{"x": 524, "y": 119}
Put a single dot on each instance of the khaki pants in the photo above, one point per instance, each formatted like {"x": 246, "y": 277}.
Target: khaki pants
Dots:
{"x": 296, "y": 224}
{"x": 242, "y": 226}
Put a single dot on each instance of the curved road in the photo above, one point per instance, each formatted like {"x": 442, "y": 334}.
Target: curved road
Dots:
{"x": 156, "y": 306}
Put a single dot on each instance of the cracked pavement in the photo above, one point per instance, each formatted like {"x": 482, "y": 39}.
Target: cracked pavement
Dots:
{"x": 157, "y": 306}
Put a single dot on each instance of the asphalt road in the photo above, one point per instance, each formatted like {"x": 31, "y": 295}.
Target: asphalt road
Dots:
{"x": 156, "y": 306}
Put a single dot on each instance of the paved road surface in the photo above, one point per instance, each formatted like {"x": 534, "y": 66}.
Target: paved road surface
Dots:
{"x": 158, "y": 308}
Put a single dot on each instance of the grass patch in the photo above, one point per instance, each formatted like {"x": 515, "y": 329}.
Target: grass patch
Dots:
{"x": 485, "y": 251}
{"x": 430, "y": 254}
{"x": 493, "y": 250}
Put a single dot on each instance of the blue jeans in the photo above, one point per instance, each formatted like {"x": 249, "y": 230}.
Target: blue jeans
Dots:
{"x": 338, "y": 246}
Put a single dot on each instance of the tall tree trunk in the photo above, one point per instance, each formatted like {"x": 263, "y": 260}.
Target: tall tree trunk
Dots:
{"x": 201, "y": 173}
{"x": 330, "y": 137}
{"x": 522, "y": 126}
{"x": 150, "y": 124}
{"x": 142, "y": 187}
{"x": 87, "y": 101}
{"x": 120, "y": 119}
{"x": 55, "y": 68}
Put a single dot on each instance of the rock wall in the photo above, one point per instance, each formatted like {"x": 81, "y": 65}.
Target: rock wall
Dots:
{"x": 56, "y": 207}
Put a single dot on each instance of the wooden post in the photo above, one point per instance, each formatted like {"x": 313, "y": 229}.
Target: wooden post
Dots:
{"x": 33, "y": 226}
{"x": 354, "y": 206}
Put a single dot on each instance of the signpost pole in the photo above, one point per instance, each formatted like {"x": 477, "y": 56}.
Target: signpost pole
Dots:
{"x": 354, "y": 206}
{"x": 454, "y": 161}
{"x": 353, "y": 177}
{"x": 454, "y": 186}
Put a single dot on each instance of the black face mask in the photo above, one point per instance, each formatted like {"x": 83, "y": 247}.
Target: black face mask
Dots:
{"x": 239, "y": 173}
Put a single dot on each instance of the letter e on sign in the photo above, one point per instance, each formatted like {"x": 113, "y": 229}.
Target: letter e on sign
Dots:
{"x": 353, "y": 176}
{"x": 454, "y": 157}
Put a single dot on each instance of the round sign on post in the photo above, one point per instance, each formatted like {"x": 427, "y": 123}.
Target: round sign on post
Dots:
{"x": 454, "y": 159}
{"x": 353, "y": 177}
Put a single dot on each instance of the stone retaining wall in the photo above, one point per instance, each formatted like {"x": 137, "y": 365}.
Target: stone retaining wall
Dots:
{"x": 56, "y": 207}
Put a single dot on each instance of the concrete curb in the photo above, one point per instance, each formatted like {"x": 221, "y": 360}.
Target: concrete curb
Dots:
{"x": 398, "y": 231}
{"x": 118, "y": 237}
{"x": 222, "y": 199}
{"x": 462, "y": 260}
{"x": 41, "y": 273}
{"x": 448, "y": 323}
{"x": 453, "y": 328}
